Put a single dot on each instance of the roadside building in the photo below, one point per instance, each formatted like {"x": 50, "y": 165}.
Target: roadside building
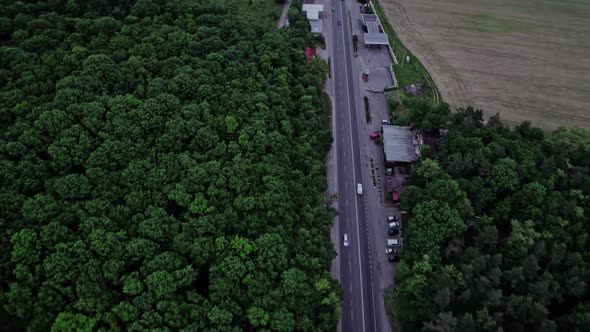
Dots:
{"x": 374, "y": 35}
{"x": 401, "y": 146}
{"x": 314, "y": 14}
{"x": 401, "y": 149}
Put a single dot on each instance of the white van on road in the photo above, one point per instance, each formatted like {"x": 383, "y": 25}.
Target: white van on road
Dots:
{"x": 359, "y": 189}
{"x": 393, "y": 243}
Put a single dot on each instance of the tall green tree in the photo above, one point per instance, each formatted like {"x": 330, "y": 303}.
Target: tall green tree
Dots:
{"x": 162, "y": 169}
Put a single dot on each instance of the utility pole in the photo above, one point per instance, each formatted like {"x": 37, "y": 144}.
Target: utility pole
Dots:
{"x": 404, "y": 57}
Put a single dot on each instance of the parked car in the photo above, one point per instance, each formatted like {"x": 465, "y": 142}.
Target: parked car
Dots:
{"x": 393, "y": 231}
{"x": 394, "y": 258}
{"x": 346, "y": 240}
{"x": 385, "y": 121}
{"x": 395, "y": 196}
{"x": 394, "y": 224}
{"x": 362, "y": 9}
{"x": 392, "y": 218}
{"x": 391, "y": 251}
{"x": 393, "y": 243}
{"x": 375, "y": 135}
{"x": 359, "y": 189}
{"x": 339, "y": 23}
{"x": 333, "y": 8}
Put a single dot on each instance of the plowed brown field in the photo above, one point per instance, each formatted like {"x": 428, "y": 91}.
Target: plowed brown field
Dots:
{"x": 526, "y": 59}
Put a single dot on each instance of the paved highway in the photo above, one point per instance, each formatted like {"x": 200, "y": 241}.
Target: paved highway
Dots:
{"x": 358, "y": 309}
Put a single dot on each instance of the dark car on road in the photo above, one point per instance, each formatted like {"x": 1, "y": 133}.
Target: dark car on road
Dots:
{"x": 394, "y": 258}
{"x": 393, "y": 231}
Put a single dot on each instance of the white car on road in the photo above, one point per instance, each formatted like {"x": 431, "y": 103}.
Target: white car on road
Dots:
{"x": 346, "y": 240}
{"x": 393, "y": 224}
{"x": 393, "y": 243}
{"x": 359, "y": 189}
{"x": 389, "y": 251}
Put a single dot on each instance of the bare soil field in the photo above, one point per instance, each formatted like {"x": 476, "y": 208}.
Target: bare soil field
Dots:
{"x": 524, "y": 59}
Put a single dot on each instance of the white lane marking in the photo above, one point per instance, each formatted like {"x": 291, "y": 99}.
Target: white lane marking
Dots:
{"x": 354, "y": 174}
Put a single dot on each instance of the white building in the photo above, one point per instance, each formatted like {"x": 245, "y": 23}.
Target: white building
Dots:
{"x": 314, "y": 14}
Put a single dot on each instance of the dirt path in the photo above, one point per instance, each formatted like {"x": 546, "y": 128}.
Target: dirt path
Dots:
{"x": 284, "y": 15}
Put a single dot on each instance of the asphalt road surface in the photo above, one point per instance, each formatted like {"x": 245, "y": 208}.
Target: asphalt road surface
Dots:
{"x": 358, "y": 309}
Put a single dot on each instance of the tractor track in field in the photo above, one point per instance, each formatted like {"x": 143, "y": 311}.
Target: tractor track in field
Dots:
{"x": 522, "y": 80}
{"x": 512, "y": 56}
{"x": 456, "y": 92}
{"x": 503, "y": 57}
{"x": 559, "y": 110}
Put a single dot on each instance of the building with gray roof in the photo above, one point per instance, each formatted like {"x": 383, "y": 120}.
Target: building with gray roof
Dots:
{"x": 400, "y": 145}
{"x": 374, "y": 33}
{"x": 314, "y": 14}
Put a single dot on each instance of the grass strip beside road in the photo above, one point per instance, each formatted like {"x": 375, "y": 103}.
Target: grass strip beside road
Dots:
{"x": 406, "y": 73}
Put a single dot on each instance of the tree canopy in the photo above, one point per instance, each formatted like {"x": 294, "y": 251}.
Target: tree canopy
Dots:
{"x": 498, "y": 234}
{"x": 162, "y": 168}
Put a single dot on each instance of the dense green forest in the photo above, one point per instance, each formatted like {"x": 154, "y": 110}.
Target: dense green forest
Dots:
{"x": 161, "y": 168}
{"x": 498, "y": 234}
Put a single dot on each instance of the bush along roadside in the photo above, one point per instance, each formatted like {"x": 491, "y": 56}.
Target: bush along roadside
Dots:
{"x": 367, "y": 109}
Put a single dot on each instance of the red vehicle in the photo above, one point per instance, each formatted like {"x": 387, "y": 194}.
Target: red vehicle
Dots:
{"x": 395, "y": 196}
{"x": 375, "y": 135}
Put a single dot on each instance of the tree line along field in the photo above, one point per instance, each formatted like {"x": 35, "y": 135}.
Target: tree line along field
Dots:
{"x": 161, "y": 169}
{"x": 526, "y": 60}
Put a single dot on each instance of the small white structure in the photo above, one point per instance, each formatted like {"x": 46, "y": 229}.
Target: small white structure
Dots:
{"x": 314, "y": 14}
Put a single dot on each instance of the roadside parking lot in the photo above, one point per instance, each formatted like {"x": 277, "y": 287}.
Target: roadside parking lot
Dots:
{"x": 377, "y": 61}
